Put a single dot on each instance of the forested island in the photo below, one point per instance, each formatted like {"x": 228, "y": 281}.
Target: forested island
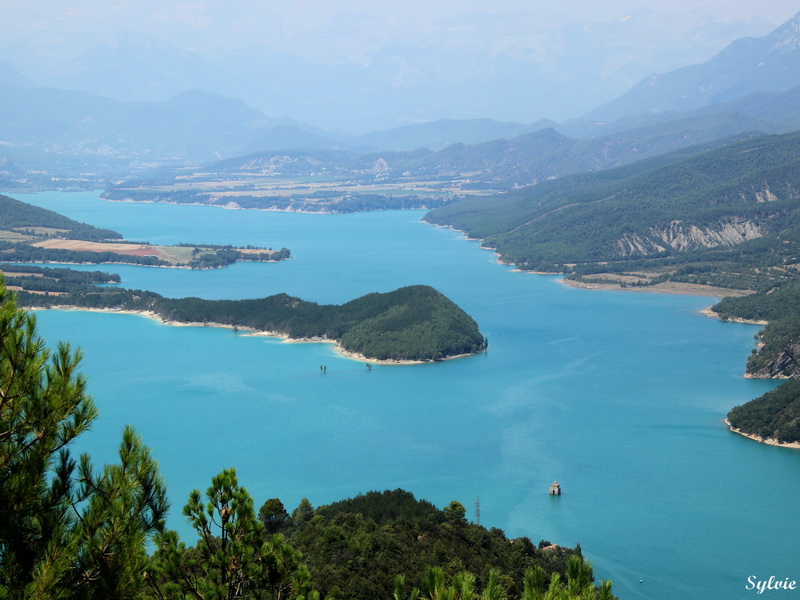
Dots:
{"x": 32, "y": 234}
{"x": 69, "y": 530}
{"x": 411, "y": 324}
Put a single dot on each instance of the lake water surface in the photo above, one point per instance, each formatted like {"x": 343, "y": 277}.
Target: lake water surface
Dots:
{"x": 619, "y": 396}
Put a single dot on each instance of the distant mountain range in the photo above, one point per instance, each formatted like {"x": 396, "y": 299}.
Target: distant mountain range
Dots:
{"x": 747, "y": 66}
{"x": 497, "y": 164}
{"x": 519, "y": 66}
{"x": 42, "y": 125}
{"x": 755, "y": 87}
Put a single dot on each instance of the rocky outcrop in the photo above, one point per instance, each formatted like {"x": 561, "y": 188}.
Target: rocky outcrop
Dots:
{"x": 766, "y": 195}
{"x": 786, "y": 365}
{"x": 632, "y": 244}
{"x": 682, "y": 236}
{"x": 679, "y": 235}
{"x": 264, "y": 165}
{"x": 381, "y": 168}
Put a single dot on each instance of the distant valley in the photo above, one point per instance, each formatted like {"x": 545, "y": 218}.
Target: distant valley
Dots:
{"x": 347, "y": 181}
{"x": 59, "y": 138}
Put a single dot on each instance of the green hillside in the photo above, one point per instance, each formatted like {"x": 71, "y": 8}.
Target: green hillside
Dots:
{"x": 726, "y": 217}
{"x": 775, "y": 415}
{"x": 19, "y": 216}
{"x": 778, "y": 354}
{"x": 411, "y": 323}
{"x": 356, "y": 547}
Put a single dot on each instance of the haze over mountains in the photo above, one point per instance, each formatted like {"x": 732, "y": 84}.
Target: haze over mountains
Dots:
{"x": 374, "y": 73}
{"x": 745, "y": 67}
{"x": 749, "y": 86}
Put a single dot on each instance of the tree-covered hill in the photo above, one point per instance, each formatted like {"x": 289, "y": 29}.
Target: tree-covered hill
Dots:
{"x": 778, "y": 354}
{"x": 355, "y": 548}
{"x": 414, "y": 323}
{"x": 411, "y": 323}
{"x": 692, "y": 217}
{"x": 773, "y": 416}
{"x": 16, "y": 215}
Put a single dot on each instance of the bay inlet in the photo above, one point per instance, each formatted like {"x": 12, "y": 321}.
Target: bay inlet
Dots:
{"x": 620, "y": 397}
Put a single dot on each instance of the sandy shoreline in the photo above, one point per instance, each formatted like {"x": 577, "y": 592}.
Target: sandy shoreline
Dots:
{"x": 668, "y": 287}
{"x": 710, "y": 313}
{"x": 759, "y": 439}
{"x": 225, "y": 207}
{"x": 252, "y": 332}
{"x": 683, "y": 289}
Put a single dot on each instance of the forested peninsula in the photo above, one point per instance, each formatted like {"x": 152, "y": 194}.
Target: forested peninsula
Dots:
{"x": 32, "y": 234}
{"x": 415, "y": 323}
{"x": 412, "y": 324}
{"x": 773, "y": 418}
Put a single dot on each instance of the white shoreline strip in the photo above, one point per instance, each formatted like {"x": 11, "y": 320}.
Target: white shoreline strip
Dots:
{"x": 759, "y": 439}
{"x": 252, "y": 332}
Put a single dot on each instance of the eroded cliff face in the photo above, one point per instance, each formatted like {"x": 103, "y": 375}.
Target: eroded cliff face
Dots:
{"x": 632, "y": 244}
{"x": 679, "y": 235}
{"x": 764, "y": 195}
{"x": 786, "y": 365}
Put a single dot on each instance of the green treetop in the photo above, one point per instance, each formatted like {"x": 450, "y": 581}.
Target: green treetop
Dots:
{"x": 65, "y": 531}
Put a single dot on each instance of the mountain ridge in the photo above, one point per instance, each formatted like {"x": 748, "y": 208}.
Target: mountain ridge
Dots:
{"x": 745, "y": 66}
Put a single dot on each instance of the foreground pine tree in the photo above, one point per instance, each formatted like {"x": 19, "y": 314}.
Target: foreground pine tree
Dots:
{"x": 234, "y": 559}
{"x": 66, "y": 531}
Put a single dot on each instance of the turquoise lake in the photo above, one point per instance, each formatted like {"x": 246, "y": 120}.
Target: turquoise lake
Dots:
{"x": 619, "y": 396}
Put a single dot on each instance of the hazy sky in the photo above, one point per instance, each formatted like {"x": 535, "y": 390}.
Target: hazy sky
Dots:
{"x": 414, "y": 60}
{"x": 232, "y": 23}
